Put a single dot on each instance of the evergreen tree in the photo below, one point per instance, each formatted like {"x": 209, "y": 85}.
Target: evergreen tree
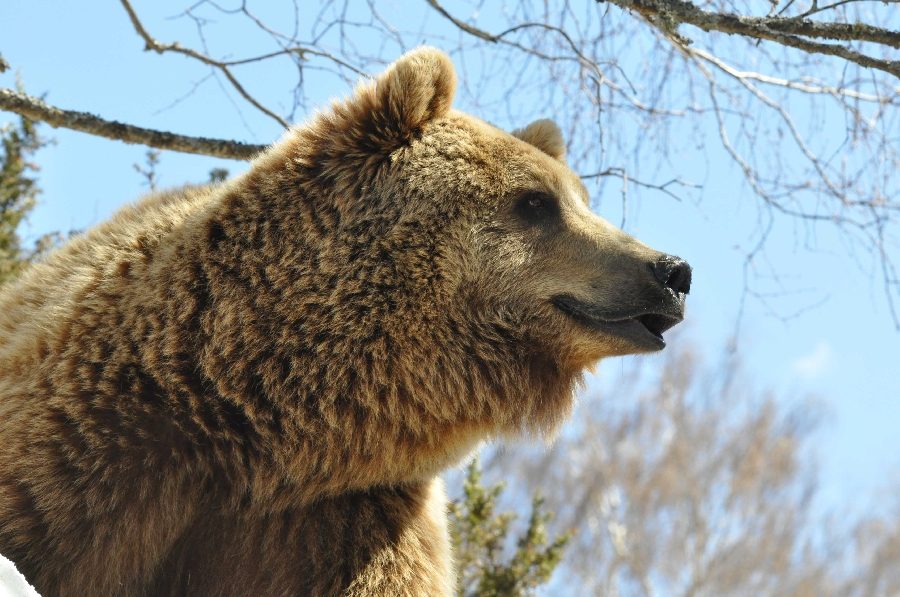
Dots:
{"x": 18, "y": 194}
{"x": 480, "y": 536}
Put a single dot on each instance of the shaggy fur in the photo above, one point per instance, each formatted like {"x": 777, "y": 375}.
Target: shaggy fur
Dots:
{"x": 249, "y": 389}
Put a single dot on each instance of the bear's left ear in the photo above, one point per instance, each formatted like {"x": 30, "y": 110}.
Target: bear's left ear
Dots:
{"x": 386, "y": 113}
{"x": 416, "y": 89}
{"x": 546, "y": 136}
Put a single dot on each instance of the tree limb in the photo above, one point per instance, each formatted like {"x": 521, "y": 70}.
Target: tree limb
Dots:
{"x": 36, "y": 109}
{"x": 788, "y": 31}
{"x": 462, "y": 25}
{"x": 160, "y": 48}
{"x": 804, "y": 86}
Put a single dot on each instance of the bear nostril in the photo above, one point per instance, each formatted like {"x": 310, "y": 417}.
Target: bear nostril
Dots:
{"x": 673, "y": 272}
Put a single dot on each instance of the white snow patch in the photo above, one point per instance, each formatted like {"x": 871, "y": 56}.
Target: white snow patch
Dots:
{"x": 12, "y": 583}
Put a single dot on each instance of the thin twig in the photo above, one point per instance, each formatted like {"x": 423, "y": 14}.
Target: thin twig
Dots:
{"x": 626, "y": 178}
{"x": 803, "y": 86}
{"x": 161, "y": 48}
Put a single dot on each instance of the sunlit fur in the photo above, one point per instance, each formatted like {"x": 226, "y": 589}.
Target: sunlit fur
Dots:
{"x": 249, "y": 388}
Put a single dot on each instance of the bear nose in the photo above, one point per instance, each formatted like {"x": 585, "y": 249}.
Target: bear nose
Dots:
{"x": 673, "y": 272}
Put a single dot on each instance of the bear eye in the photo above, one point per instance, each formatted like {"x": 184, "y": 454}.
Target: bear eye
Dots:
{"x": 537, "y": 207}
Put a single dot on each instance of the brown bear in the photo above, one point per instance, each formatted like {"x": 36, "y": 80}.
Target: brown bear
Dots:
{"x": 251, "y": 388}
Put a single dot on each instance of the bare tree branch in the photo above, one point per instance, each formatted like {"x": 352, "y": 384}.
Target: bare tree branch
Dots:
{"x": 577, "y": 55}
{"x": 788, "y": 31}
{"x": 462, "y": 25}
{"x": 623, "y": 174}
{"x": 803, "y": 86}
{"x": 37, "y": 109}
{"x": 160, "y": 48}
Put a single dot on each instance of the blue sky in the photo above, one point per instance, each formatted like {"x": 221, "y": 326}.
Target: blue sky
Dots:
{"x": 844, "y": 351}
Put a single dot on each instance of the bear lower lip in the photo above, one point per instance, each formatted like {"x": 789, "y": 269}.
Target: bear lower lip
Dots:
{"x": 657, "y": 323}
{"x": 635, "y": 331}
{"x": 645, "y": 330}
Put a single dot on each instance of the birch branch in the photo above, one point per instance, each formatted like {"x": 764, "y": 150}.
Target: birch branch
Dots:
{"x": 787, "y": 31}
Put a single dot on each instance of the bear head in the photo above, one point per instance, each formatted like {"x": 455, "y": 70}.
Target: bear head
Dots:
{"x": 453, "y": 271}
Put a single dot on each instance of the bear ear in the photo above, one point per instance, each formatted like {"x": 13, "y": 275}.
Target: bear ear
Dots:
{"x": 388, "y": 112}
{"x": 546, "y": 136}
{"x": 416, "y": 89}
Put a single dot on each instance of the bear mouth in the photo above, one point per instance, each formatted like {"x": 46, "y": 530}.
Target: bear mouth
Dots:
{"x": 644, "y": 328}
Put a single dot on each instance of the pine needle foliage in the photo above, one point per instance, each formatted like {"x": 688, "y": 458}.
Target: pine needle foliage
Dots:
{"x": 18, "y": 193}
{"x": 481, "y": 538}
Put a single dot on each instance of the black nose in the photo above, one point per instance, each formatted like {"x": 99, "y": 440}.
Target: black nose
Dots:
{"x": 674, "y": 272}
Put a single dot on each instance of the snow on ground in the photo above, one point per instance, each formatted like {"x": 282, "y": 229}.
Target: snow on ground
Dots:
{"x": 13, "y": 584}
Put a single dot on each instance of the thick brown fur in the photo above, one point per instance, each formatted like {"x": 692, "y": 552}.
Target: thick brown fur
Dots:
{"x": 250, "y": 388}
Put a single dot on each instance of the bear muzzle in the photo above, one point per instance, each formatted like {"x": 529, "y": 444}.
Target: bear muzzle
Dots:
{"x": 653, "y": 306}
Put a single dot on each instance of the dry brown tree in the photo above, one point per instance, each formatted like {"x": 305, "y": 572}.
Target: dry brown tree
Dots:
{"x": 692, "y": 481}
{"x": 800, "y": 96}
